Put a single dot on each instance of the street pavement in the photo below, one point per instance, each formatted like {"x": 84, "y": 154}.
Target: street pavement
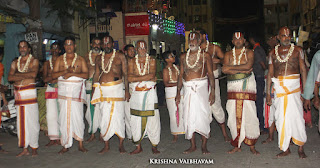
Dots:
{"x": 49, "y": 157}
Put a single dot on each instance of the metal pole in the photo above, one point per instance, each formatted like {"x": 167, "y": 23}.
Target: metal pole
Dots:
{"x": 278, "y": 14}
{"x": 96, "y": 20}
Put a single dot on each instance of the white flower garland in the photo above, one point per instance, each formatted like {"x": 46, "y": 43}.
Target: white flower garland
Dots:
{"x": 90, "y": 58}
{"x": 25, "y": 68}
{"x": 145, "y": 65}
{"x": 170, "y": 73}
{"x": 240, "y": 56}
{"x": 65, "y": 60}
{"x": 50, "y": 62}
{"x": 109, "y": 63}
{"x": 288, "y": 55}
{"x": 195, "y": 63}
{"x": 207, "y": 47}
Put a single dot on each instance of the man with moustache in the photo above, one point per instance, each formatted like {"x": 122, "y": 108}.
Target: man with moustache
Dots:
{"x": 286, "y": 64}
{"x": 111, "y": 69}
{"x": 22, "y": 73}
{"x": 195, "y": 73}
{"x": 71, "y": 71}
{"x": 51, "y": 96}
{"x": 129, "y": 53}
{"x": 217, "y": 55}
{"x": 92, "y": 114}
{"x": 242, "y": 122}
{"x": 145, "y": 116}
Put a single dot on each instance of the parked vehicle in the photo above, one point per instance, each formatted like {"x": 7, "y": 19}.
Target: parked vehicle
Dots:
{"x": 9, "y": 118}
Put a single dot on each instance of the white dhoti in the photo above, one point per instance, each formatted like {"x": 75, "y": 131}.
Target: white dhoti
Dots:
{"x": 196, "y": 108}
{"x": 71, "y": 96}
{"x": 28, "y": 126}
{"x": 127, "y": 116}
{"x": 268, "y": 111}
{"x": 51, "y": 95}
{"x": 110, "y": 97}
{"x": 92, "y": 114}
{"x": 216, "y": 108}
{"x": 289, "y": 111}
{"x": 243, "y": 121}
{"x": 175, "y": 114}
{"x": 145, "y": 117}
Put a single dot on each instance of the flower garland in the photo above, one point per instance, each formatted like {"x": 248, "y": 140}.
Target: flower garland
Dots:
{"x": 198, "y": 58}
{"x": 288, "y": 55}
{"x": 170, "y": 73}
{"x": 90, "y": 58}
{"x": 207, "y": 47}
{"x": 109, "y": 63}
{"x": 50, "y": 61}
{"x": 240, "y": 56}
{"x": 145, "y": 65}
{"x": 25, "y": 68}
{"x": 65, "y": 60}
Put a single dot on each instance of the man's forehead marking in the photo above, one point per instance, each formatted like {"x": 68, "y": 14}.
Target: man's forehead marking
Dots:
{"x": 237, "y": 35}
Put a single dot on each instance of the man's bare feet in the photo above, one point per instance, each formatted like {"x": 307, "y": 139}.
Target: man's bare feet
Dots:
{"x": 25, "y": 152}
{"x": 268, "y": 140}
{"x": 191, "y": 149}
{"x": 122, "y": 150}
{"x": 155, "y": 150}
{"x": 104, "y": 150}
{"x": 175, "y": 138}
{"x": 45, "y": 132}
{"x": 287, "y": 152}
{"x": 92, "y": 137}
{"x": 82, "y": 149}
{"x": 301, "y": 153}
{"x": 236, "y": 149}
{"x": 254, "y": 151}
{"x": 34, "y": 152}
{"x": 63, "y": 150}
{"x": 137, "y": 150}
{"x": 227, "y": 138}
{"x": 3, "y": 151}
{"x": 51, "y": 143}
{"x": 309, "y": 125}
{"x": 205, "y": 150}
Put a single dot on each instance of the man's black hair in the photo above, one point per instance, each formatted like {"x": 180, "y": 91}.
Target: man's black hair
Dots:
{"x": 29, "y": 46}
{"x": 165, "y": 55}
{"x": 201, "y": 30}
{"x": 70, "y": 38}
{"x": 126, "y": 48}
{"x": 55, "y": 43}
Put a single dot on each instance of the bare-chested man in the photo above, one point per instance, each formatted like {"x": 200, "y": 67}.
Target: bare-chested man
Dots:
{"x": 71, "y": 71}
{"x": 111, "y": 68}
{"x": 22, "y": 73}
{"x": 129, "y": 53}
{"x": 217, "y": 56}
{"x": 93, "y": 114}
{"x": 195, "y": 69}
{"x": 170, "y": 78}
{"x": 243, "y": 121}
{"x": 52, "y": 96}
{"x": 145, "y": 117}
{"x": 286, "y": 64}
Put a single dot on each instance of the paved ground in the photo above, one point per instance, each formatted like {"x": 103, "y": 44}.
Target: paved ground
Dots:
{"x": 48, "y": 157}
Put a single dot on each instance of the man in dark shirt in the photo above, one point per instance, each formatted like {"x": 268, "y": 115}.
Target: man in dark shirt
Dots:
{"x": 259, "y": 67}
